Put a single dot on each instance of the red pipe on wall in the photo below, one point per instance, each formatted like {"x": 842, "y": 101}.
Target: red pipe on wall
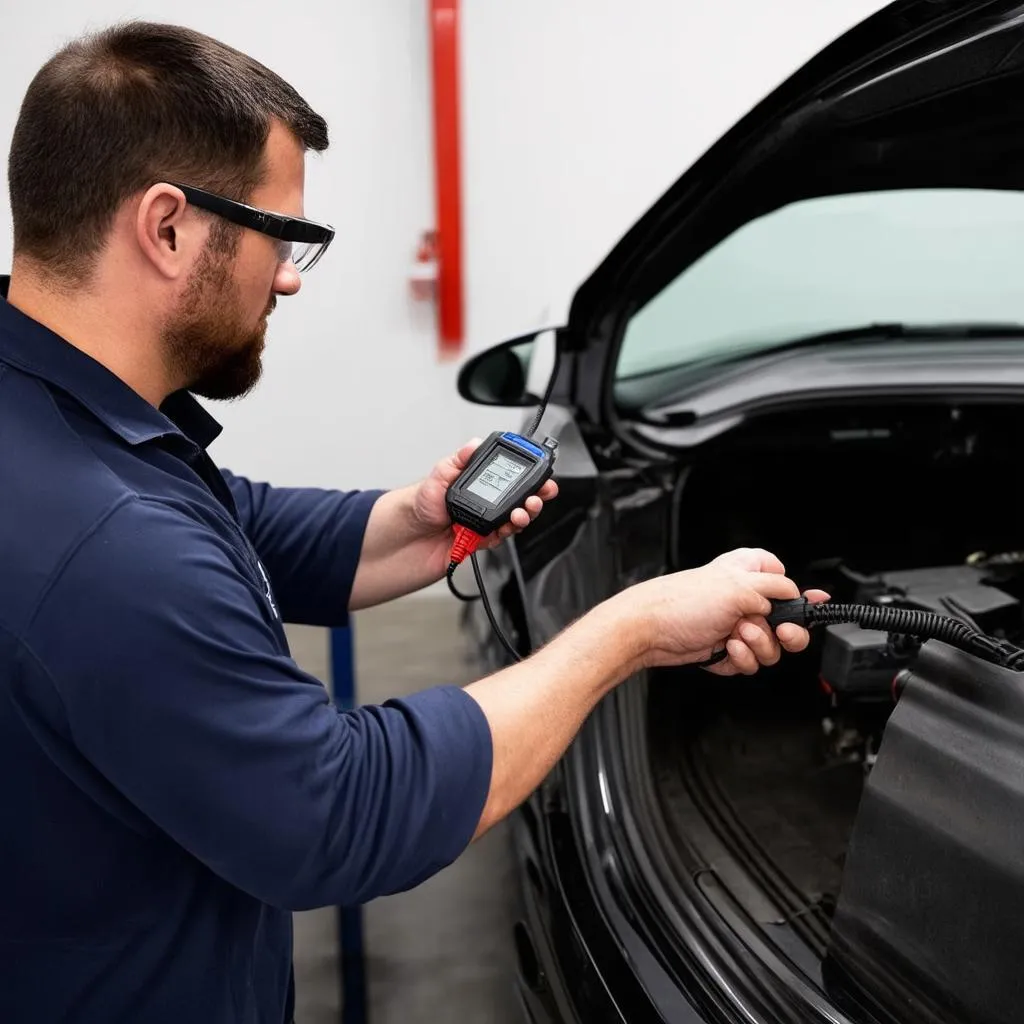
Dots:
{"x": 444, "y": 36}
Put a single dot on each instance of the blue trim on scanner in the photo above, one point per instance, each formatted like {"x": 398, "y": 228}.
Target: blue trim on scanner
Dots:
{"x": 521, "y": 442}
{"x": 351, "y": 953}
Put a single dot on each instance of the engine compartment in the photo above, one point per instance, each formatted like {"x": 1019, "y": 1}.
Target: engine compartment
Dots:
{"x": 912, "y": 506}
{"x": 874, "y": 485}
{"x": 861, "y": 501}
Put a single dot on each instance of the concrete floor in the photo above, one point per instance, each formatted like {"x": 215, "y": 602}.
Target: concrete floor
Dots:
{"x": 442, "y": 952}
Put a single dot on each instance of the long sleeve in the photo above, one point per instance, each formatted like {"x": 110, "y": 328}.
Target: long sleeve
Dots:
{"x": 197, "y": 717}
{"x": 310, "y": 541}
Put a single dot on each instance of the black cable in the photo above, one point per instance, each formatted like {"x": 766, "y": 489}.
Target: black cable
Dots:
{"x": 910, "y": 621}
{"x": 900, "y": 621}
{"x": 542, "y": 408}
{"x": 450, "y": 576}
{"x": 481, "y": 596}
{"x": 490, "y": 614}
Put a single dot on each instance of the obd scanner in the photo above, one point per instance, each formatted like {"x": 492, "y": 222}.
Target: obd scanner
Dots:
{"x": 502, "y": 473}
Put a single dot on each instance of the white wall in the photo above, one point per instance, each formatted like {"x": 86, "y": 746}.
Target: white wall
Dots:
{"x": 580, "y": 113}
{"x": 577, "y": 114}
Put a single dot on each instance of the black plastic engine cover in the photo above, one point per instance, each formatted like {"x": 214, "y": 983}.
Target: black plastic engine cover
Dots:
{"x": 930, "y": 921}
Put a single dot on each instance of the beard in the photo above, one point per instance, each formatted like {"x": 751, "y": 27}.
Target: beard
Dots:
{"x": 211, "y": 344}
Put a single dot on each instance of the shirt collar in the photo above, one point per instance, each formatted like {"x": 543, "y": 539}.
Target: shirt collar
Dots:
{"x": 35, "y": 349}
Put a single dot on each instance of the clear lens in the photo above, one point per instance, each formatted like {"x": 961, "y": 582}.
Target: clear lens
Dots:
{"x": 306, "y": 255}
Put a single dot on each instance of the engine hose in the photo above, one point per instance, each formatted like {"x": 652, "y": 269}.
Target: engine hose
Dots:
{"x": 901, "y": 621}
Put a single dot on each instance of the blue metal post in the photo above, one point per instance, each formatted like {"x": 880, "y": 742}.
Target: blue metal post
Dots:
{"x": 350, "y": 919}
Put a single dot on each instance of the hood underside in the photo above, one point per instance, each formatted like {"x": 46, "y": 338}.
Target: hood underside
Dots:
{"x": 924, "y": 94}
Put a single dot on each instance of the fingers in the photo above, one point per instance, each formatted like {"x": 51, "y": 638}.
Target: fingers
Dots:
{"x": 753, "y": 643}
{"x": 767, "y": 562}
{"x": 741, "y": 661}
{"x": 757, "y": 635}
{"x": 750, "y": 646}
{"x": 522, "y": 517}
{"x": 518, "y": 521}
{"x": 753, "y": 560}
{"x": 793, "y": 638}
{"x": 773, "y": 586}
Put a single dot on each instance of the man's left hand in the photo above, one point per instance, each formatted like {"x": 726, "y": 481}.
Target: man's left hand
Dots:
{"x": 408, "y": 536}
{"x": 431, "y": 515}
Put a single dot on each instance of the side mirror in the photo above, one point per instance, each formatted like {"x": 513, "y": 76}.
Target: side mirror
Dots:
{"x": 504, "y": 374}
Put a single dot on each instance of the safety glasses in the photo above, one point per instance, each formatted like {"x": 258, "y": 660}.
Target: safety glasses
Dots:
{"x": 299, "y": 241}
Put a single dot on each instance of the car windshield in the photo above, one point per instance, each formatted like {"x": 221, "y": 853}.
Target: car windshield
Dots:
{"x": 916, "y": 257}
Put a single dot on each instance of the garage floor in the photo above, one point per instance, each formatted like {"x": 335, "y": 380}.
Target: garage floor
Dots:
{"x": 442, "y": 952}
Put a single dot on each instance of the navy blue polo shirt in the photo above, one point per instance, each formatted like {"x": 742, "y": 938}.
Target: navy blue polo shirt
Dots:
{"x": 172, "y": 785}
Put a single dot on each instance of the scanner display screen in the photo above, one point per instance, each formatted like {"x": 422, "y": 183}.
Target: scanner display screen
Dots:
{"x": 496, "y": 478}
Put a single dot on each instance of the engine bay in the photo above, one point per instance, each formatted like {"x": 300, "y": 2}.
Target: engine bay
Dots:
{"x": 861, "y": 671}
{"x": 861, "y": 501}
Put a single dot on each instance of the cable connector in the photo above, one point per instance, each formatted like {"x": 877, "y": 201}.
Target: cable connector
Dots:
{"x": 464, "y": 544}
{"x": 795, "y": 610}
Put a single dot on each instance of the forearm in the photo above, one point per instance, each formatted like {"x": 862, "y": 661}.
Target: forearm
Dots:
{"x": 396, "y": 559}
{"x": 536, "y": 707}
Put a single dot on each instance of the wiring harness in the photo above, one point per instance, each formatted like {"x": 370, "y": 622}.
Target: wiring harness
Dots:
{"x": 900, "y": 622}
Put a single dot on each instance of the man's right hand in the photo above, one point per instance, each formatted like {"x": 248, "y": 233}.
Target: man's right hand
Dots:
{"x": 685, "y": 617}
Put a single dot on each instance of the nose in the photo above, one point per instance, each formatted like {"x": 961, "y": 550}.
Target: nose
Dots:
{"x": 287, "y": 280}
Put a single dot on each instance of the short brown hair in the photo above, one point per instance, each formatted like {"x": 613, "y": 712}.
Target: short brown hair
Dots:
{"x": 116, "y": 111}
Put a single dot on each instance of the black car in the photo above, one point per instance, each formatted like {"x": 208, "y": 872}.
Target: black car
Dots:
{"x": 812, "y": 343}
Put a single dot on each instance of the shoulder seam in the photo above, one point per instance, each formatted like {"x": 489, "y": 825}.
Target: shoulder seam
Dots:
{"x": 131, "y": 497}
{"x": 69, "y": 555}
{"x": 24, "y": 649}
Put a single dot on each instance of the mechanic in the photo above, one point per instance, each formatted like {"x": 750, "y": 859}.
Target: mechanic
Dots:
{"x": 174, "y": 786}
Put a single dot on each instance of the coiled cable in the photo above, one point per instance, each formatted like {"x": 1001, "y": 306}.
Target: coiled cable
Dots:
{"x": 902, "y": 622}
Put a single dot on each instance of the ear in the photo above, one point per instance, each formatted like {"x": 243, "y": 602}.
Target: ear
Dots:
{"x": 168, "y": 234}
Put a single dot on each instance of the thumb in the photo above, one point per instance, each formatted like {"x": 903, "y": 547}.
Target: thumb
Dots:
{"x": 465, "y": 453}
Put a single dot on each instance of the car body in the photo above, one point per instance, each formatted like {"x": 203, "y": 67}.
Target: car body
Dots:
{"x": 812, "y": 343}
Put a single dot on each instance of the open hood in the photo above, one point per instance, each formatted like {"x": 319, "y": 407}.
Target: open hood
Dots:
{"x": 923, "y": 94}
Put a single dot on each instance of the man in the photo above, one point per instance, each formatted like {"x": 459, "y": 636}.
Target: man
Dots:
{"x": 173, "y": 785}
